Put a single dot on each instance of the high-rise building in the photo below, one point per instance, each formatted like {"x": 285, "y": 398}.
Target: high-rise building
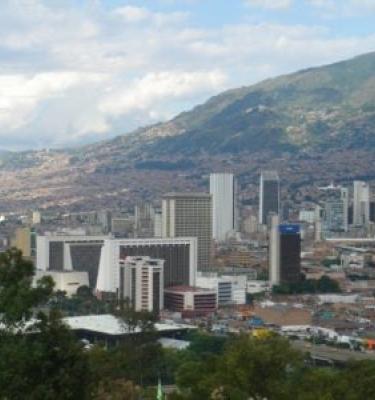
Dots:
{"x": 274, "y": 250}
{"x": 25, "y": 240}
{"x": 269, "y": 195}
{"x": 158, "y": 224}
{"x": 361, "y": 203}
{"x": 284, "y": 253}
{"x": 144, "y": 217}
{"x": 179, "y": 255}
{"x": 189, "y": 215}
{"x": 335, "y": 209}
{"x": 223, "y": 191}
{"x": 36, "y": 217}
{"x": 142, "y": 283}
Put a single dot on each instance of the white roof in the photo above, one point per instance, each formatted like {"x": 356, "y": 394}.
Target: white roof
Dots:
{"x": 111, "y": 325}
{"x": 174, "y": 343}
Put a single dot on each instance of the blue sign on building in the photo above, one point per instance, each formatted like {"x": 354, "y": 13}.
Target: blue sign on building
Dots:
{"x": 289, "y": 229}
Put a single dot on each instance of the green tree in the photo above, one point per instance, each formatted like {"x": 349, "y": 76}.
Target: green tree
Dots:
{"x": 258, "y": 368}
{"x": 39, "y": 357}
{"x": 358, "y": 380}
{"x": 18, "y": 298}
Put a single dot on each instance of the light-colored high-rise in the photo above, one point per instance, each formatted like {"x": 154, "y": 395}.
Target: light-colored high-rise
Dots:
{"x": 189, "y": 215}
{"x": 335, "y": 209}
{"x": 223, "y": 191}
{"x": 142, "y": 283}
{"x": 361, "y": 203}
{"x": 274, "y": 251}
{"x": 144, "y": 218}
{"x": 269, "y": 195}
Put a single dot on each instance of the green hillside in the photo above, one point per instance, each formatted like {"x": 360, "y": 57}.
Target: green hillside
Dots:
{"x": 329, "y": 105}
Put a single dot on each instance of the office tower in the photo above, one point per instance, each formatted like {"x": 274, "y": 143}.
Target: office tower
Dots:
{"x": 361, "y": 203}
{"x": 179, "y": 254}
{"x": 158, "y": 224}
{"x": 317, "y": 231}
{"x": 189, "y": 215}
{"x": 230, "y": 289}
{"x": 273, "y": 252}
{"x": 223, "y": 192}
{"x": 104, "y": 219}
{"x": 290, "y": 253}
{"x": 144, "y": 215}
{"x": 284, "y": 253}
{"x": 372, "y": 211}
{"x": 122, "y": 226}
{"x": 307, "y": 216}
{"x": 335, "y": 209}
{"x": 70, "y": 253}
{"x": 142, "y": 283}
{"x": 25, "y": 240}
{"x": 36, "y": 217}
{"x": 269, "y": 195}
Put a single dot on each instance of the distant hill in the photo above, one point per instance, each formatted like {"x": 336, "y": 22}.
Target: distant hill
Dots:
{"x": 332, "y": 105}
{"x": 298, "y": 116}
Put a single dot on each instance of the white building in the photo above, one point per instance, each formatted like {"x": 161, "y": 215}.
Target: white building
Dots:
{"x": 361, "y": 203}
{"x": 222, "y": 286}
{"x": 79, "y": 253}
{"x": 142, "y": 282}
{"x": 254, "y": 287}
{"x": 223, "y": 191}
{"x": 179, "y": 254}
{"x": 158, "y": 224}
{"x": 37, "y": 217}
{"x": 308, "y": 216}
{"x": 274, "y": 252}
{"x": 230, "y": 289}
{"x": 65, "y": 281}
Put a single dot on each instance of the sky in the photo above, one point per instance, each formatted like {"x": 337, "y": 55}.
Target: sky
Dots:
{"x": 77, "y": 71}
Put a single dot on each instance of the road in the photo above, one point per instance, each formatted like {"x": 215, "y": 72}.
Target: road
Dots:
{"x": 331, "y": 353}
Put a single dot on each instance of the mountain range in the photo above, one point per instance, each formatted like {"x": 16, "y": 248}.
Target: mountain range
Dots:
{"x": 314, "y": 125}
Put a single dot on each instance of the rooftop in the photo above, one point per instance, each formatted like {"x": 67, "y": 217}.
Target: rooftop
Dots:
{"x": 187, "y": 289}
{"x": 270, "y": 175}
{"x": 187, "y": 195}
{"x": 111, "y": 325}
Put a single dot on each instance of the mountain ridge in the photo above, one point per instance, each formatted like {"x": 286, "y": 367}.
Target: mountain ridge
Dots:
{"x": 295, "y": 117}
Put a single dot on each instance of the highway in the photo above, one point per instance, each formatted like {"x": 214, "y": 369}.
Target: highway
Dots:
{"x": 334, "y": 354}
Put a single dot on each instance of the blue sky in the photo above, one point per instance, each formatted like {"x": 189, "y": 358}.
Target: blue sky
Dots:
{"x": 76, "y": 71}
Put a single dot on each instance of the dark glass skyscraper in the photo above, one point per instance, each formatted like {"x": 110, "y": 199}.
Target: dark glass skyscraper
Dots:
{"x": 284, "y": 252}
{"x": 290, "y": 253}
{"x": 269, "y": 195}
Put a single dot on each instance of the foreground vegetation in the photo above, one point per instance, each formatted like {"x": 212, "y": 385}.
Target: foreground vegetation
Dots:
{"x": 40, "y": 359}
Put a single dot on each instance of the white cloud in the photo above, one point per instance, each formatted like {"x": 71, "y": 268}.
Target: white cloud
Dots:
{"x": 155, "y": 87}
{"x": 21, "y": 94}
{"x": 132, "y": 14}
{"x": 365, "y": 4}
{"x": 343, "y": 8}
{"x": 270, "y": 4}
{"x": 70, "y": 75}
